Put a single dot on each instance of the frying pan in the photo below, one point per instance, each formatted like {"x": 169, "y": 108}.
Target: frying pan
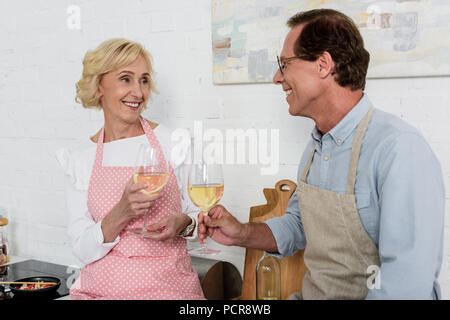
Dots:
{"x": 37, "y": 292}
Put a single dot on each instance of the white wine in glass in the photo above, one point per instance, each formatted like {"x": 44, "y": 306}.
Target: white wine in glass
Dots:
{"x": 205, "y": 188}
{"x": 152, "y": 169}
{"x": 155, "y": 181}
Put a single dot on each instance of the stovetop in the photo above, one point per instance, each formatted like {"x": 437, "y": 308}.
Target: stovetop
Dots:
{"x": 33, "y": 268}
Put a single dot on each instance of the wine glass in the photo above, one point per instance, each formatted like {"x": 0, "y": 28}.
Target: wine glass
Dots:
{"x": 205, "y": 188}
{"x": 152, "y": 169}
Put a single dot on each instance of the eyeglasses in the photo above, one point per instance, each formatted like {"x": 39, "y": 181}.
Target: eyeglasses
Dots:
{"x": 282, "y": 64}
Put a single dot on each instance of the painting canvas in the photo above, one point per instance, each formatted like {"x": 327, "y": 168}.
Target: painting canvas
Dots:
{"x": 405, "y": 38}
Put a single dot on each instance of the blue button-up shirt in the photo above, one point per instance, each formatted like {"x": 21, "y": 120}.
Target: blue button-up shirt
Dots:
{"x": 400, "y": 199}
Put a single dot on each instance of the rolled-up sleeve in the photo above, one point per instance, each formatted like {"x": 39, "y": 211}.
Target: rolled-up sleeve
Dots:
{"x": 412, "y": 203}
{"x": 288, "y": 229}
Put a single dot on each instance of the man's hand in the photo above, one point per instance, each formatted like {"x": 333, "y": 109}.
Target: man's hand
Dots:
{"x": 225, "y": 229}
{"x": 222, "y": 227}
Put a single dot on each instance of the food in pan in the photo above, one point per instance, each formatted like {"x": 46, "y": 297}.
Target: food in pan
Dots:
{"x": 34, "y": 286}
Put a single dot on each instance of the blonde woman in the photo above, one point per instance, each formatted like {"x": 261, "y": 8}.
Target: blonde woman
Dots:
{"x": 103, "y": 201}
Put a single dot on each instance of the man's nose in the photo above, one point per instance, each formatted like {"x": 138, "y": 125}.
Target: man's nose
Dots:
{"x": 278, "y": 77}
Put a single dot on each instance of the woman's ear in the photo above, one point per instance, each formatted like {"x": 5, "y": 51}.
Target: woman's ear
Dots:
{"x": 100, "y": 89}
{"x": 325, "y": 64}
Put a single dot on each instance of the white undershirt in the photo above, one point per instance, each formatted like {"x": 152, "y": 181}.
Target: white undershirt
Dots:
{"x": 85, "y": 234}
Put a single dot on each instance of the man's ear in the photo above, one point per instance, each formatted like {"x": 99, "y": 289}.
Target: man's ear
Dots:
{"x": 325, "y": 64}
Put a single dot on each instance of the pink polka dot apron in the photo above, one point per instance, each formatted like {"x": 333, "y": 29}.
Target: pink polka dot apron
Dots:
{"x": 136, "y": 268}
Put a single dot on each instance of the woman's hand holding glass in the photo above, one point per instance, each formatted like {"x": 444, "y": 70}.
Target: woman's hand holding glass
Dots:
{"x": 170, "y": 227}
{"x": 134, "y": 203}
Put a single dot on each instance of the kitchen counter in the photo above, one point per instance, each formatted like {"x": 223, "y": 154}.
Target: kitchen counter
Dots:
{"x": 19, "y": 268}
{"x": 220, "y": 279}
{"x": 14, "y": 259}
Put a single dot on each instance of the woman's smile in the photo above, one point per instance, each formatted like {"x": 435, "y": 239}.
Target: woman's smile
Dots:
{"x": 134, "y": 105}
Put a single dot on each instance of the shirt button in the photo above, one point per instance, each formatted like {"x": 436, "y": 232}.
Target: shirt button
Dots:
{"x": 325, "y": 158}
{"x": 339, "y": 141}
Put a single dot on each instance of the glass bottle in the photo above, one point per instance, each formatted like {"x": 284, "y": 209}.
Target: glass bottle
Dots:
{"x": 268, "y": 278}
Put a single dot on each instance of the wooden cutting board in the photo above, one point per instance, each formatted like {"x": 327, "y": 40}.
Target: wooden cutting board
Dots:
{"x": 292, "y": 268}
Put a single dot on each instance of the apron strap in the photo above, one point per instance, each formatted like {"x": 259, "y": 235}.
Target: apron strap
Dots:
{"x": 148, "y": 131}
{"x": 99, "y": 150}
{"x": 308, "y": 165}
{"x": 356, "y": 148}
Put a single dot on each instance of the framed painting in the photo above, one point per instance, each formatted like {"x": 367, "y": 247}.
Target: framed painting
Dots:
{"x": 405, "y": 38}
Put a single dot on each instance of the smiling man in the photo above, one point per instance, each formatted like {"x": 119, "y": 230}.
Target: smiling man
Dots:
{"x": 370, "y": 192}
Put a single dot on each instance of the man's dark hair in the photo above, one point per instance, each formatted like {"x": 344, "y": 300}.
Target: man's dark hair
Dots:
{"x": 332, "y": 31}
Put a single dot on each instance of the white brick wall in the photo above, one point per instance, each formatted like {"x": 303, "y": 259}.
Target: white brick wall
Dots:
{"x": 40, "y": 61}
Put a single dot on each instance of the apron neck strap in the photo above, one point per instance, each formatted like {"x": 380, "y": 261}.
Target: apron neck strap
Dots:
{"x": 145, "y": 126}
{"x": 356, "y": 148}
{"x": 153, "y": 140}
{"x": 99, "y": 152}
{"x": 308, "y": 165}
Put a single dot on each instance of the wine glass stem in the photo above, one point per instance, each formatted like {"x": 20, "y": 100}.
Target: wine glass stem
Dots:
{"x": 145, "y": 220}
{"x": 205, "y": 214}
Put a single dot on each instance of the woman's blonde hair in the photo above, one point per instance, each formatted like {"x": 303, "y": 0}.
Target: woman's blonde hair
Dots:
{"x": 108, "y": 56}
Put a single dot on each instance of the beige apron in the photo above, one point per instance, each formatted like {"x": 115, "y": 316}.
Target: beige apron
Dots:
{"x": 338, "y": 250}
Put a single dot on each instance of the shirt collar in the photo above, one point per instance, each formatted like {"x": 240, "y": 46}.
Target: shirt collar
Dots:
{"x": 316, "y": 135}
{"x": 345, "y": 127}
